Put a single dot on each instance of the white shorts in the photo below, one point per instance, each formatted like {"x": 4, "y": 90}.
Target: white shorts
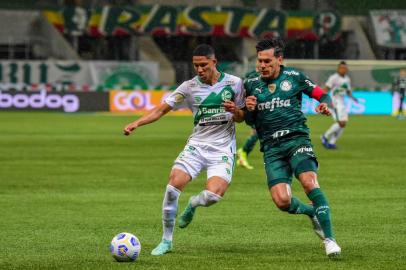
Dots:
{"x": 195, "y": 158}
{"x": 340, "y": 110}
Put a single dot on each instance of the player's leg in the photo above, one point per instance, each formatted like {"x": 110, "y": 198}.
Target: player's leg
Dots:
{"x": 213, "y": 193}
{"x": 342, "y": 119}
{"x": 246, "y": 150}
{"x": 282, "y": 197}
{"x": 332, "y": 141}
{"x": 401, "y": 98}
{"x": 305, "y": 168}
{"x": 186, "y": 167}
{"x": 279, "y": 177}
{"x": 177, "y": 181}
{"x": 219, "y": 173}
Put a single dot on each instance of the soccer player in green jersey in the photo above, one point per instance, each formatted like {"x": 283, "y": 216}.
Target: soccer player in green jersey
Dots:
{"x": 273, "y": 105}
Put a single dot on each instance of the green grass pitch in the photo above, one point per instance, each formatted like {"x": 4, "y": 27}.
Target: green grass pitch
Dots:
{"x": 70, "y": 182}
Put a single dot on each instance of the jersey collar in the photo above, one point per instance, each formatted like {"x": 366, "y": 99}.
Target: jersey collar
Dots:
{"x": 222, "y": 75}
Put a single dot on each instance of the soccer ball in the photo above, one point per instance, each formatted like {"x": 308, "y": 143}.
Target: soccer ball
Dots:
{"x": 125, "y": 247}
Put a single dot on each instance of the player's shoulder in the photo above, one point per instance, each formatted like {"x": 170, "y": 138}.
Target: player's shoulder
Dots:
{"x": 193, "y": 82}
{"x": 230, "y": 79}
{"x": 252, "y": 77}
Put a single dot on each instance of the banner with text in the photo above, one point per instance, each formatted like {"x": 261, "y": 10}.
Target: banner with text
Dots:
{"x": 139, "y": 101}
{"x": 195, "y": 20}
{"x": 77, "y": 75}
{"x": 54, "y": 101}
{"x": 374, "y": 103}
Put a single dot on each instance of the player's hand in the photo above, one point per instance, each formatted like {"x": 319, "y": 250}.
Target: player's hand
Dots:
{"x": 129, "y": 129}
{"x": 323, "y": 109}
{"x": 251, "y": 103}
{"x": 229, "y": 106}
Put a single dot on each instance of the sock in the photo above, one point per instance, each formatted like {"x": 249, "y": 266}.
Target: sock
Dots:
{"x": 322, "y": 211}
{"x": 337, "y": 135}
{"x": 250, "y": 143}
{"x": 297, "y": 207}
{"x": 169, "y": 210}
{"x": 205, "y": 198}
{"x": 332, "y": 130}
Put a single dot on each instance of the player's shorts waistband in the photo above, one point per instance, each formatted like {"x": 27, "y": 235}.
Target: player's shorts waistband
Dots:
{"x": 283, "y": 137}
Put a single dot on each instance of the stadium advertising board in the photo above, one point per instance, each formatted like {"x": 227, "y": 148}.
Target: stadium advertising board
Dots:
{"x": 389, "y": 27}
{"x": 139, "y": 101}
{"x": 195, "y": 20}
{"x": 54, "y": 101}
{"x": 375, "y": 103}
{"x": 77, "y": 75}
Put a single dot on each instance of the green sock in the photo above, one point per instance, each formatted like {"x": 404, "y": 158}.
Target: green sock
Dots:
{"x": 297, "y": 207}
{"x": 322, "y": 211}
{"x": 250, "y": 143}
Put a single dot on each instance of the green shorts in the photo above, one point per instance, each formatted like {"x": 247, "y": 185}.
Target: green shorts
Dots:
{"x": 291, "y": 156}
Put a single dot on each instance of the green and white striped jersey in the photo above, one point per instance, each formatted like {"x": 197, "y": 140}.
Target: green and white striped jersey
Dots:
{"x": 212, "y": 124}
{"x": 339, "y": 85}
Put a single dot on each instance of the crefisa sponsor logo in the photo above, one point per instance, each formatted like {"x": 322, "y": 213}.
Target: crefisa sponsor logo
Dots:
{"x": 39, "y": 100}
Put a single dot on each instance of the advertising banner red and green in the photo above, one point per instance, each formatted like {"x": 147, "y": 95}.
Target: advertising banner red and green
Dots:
{"x": 195, "y": 20}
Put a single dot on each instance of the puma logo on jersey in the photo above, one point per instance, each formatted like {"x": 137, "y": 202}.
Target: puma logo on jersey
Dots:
{"x": 274, "y": 103}
{"x": 258, "y": 89}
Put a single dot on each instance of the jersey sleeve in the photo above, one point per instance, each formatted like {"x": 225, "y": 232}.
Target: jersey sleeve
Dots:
{"x": 177, "y": 99}
{"x": 306, "y": 85}
{"x": 239, "y": 99}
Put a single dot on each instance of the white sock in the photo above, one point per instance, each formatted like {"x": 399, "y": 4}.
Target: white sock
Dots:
{"x": 332, "y": 130}
{"x": 205, "y": 198}
{"x": 169, "y": 210}
{"x": 337, "y": 135}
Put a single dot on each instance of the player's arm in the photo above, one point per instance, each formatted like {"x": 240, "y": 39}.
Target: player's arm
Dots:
{"x": 236, "y": 107}
{"x": 150, "y": 117}
{"x": 320, "y": 95}
{"x": 349, "y": 93}
{"x": 238, "y": 114}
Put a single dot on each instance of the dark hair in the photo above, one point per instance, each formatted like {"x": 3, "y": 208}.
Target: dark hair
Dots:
{"x": 342, "y": 63}
{"x": 274, "y": 43}
{"x": 204, "y": 50}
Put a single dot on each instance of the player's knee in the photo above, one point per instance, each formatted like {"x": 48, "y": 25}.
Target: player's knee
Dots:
{"x": 178, "y": 179}
{"x": 308, "y": 181}
{"x": 342, "y": 124}
{"x": 282, "y": 202}
{"x": 210, "y": 198}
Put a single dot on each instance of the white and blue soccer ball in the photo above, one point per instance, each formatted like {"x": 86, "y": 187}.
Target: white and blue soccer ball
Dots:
{"x": 125, "y": 247}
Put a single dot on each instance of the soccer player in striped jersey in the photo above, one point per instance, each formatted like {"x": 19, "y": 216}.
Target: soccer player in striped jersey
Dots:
{"x": 212, "y": 145}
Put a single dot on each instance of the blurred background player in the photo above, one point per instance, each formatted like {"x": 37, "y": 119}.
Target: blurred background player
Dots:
{"x": 251, "y": 141}
{"x": 399, "y": 86}
{"x": 340, "y": 85}
{"x": 211, "y": 146}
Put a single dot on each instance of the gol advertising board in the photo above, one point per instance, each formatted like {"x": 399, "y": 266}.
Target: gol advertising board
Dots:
{"x": 372, "y": 103}
{"x": 140, "y": 101}
{"x": 54, "y": 101}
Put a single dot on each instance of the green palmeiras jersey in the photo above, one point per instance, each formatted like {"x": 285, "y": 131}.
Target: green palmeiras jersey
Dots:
{"x": 279, "y": 101}
{"x": 212, "y": 124}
